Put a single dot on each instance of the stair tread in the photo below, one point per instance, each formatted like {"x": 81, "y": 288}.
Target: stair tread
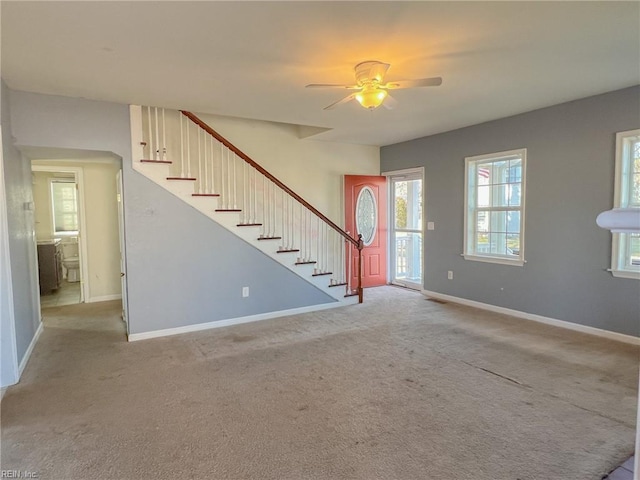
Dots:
{"x": 205, "y": 194}
{"x": 351, "y": 295}
{"x": 305, "y": 263}
{"x": 273, "y": 238}
{"x": 182, "y": 178}
{"x": 228, "y": 210}
{"x": 287, "y": 251}
{"x": 338, "y": 284}
{"x": 156, "y": 161}
{"x": 320, "y": 274}
{"x": 249, "y": 225}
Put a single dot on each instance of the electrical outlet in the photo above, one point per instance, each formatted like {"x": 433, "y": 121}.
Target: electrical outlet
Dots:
{"x": 245, "y": 292}
{"x": 450, "y": 274}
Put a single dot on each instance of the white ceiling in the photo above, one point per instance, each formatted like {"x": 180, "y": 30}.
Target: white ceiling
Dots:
{"x": 253, "y": 59}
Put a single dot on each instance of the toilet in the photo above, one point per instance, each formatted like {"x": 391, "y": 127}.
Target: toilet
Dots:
{"x": 70, "y": 259}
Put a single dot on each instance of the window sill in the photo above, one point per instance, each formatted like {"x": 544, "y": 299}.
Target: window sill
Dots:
{"x": 624, "y": 274}
{"x": 498, "y": 260}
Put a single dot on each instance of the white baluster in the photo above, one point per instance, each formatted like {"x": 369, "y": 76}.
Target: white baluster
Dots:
{"x": 223, "y": 180}
{"x": 150, "y": 133}
{"x": 235, "y": 182}
{"x": 229, "y": 191}
{"x": 188, "y": 152}
{"x": 164, "y": 137}
{"x": 265, "y": 222}
{"x": 301, "y": 225}
{"x": 283, "y": 218}
{"x": 207, "y": 187}
{"x": 273, "y": 200}
{"x": 181, "y": 147}
{"x": 199, "y": 162}
{"x": 292, "y": 226}
{"x": 254, "y": 188}
{"x": 327, "y": 246}
{"x": 213, "y": 166}
{"x": 156, "y": 153}
{"x": 244, "y": 215}
{"x": 350, "y": 249}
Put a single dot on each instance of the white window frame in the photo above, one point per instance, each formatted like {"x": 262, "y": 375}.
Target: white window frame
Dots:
{"x": 621, "y": 199}
{"x": 470, "y": 223}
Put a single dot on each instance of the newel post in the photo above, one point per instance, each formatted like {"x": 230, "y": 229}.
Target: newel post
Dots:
{"x": 360, "y": 247}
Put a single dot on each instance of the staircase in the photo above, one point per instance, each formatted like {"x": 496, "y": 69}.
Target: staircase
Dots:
{"x": 184, "y": 155}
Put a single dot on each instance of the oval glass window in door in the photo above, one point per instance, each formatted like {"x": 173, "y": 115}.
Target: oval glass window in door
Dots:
{"x": 366, "y": 215}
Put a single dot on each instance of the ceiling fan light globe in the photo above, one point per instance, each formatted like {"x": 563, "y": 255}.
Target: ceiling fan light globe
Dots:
{"x": 371, "y": 98}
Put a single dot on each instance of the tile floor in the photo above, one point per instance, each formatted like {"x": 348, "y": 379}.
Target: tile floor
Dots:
{"x": 67, "y": 294}
{"x": 623, "y": 472}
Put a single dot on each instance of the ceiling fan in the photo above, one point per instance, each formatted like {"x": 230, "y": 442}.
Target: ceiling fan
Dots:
{"x": 372, "y": 92}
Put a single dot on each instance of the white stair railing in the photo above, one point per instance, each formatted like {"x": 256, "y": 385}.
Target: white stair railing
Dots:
{"x": 219, "y": 169}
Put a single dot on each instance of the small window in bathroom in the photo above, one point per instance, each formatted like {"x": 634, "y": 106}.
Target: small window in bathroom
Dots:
{"x": 64, "y": 201}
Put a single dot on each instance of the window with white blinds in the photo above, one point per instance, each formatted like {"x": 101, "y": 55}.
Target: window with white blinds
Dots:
{"x": 64, "y": 200}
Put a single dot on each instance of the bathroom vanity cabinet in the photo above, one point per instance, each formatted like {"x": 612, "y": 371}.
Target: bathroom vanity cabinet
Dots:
{"x": 49, "y": 265}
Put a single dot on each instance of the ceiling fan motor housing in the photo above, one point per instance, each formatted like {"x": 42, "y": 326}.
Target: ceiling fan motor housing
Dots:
{"x": 371, "y": 71}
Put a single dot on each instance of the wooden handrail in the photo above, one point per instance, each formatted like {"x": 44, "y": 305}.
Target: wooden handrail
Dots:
{"x": 356, "y": 242}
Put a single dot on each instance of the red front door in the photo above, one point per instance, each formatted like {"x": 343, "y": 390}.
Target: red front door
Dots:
{"x": 365, "y": 199}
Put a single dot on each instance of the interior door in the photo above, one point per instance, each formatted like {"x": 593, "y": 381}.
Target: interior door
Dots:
{"x": 365, "y": 199}
{"x": 123, "y": 262}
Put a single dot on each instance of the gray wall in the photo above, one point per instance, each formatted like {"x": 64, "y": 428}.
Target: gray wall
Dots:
{"x": 181, "y": 268}
{"x": 21, "y": 236}
{"x": 570, "y": 177}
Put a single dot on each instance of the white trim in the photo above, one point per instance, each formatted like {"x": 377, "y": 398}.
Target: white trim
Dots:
{"x": 409, "y": 174}
{"x": 104, "y": 298}
{"x": 406, "y": 171}
{"x": 620, "y": 337}
{"x": 82, "y": 237}
{"x": 27, "y": 354}
{"x": 133, "y": 337}
{"x": 625, "y": 274}
{"x": 490, "y": 259}
{"x": 3, "y": 390}
{"x": 44, "y": 161}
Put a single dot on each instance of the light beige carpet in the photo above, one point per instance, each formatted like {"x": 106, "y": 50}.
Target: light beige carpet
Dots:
{"x": 397, "y": 388}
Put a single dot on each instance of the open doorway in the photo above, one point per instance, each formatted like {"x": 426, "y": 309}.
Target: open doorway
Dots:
{"x": 60, "y": 229}
{"x": 406, "y": 232}
{"x": 77, "y": 230}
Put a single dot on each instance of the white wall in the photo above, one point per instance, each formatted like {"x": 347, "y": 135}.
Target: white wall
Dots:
{"x": 103, "y": 252}
{"x": 8, "y": 355}
{"x": 42, "y": 201}
{"x": 21, "y": 295}
{"x": 313, "y": 169}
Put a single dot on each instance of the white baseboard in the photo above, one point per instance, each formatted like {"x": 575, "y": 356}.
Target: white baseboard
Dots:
{"x": 536, "y": 318}
{"x": 232, "y": 321}
{"x": 104, "y": 298}
{"x": 27, "y": 354}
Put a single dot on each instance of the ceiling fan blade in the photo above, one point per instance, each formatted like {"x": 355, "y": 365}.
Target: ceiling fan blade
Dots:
{"x": 389, "y": 102}
{"x": 421, "y": 82}
{"x": 346, "y": 99}
{"x": 331, "y": 85}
